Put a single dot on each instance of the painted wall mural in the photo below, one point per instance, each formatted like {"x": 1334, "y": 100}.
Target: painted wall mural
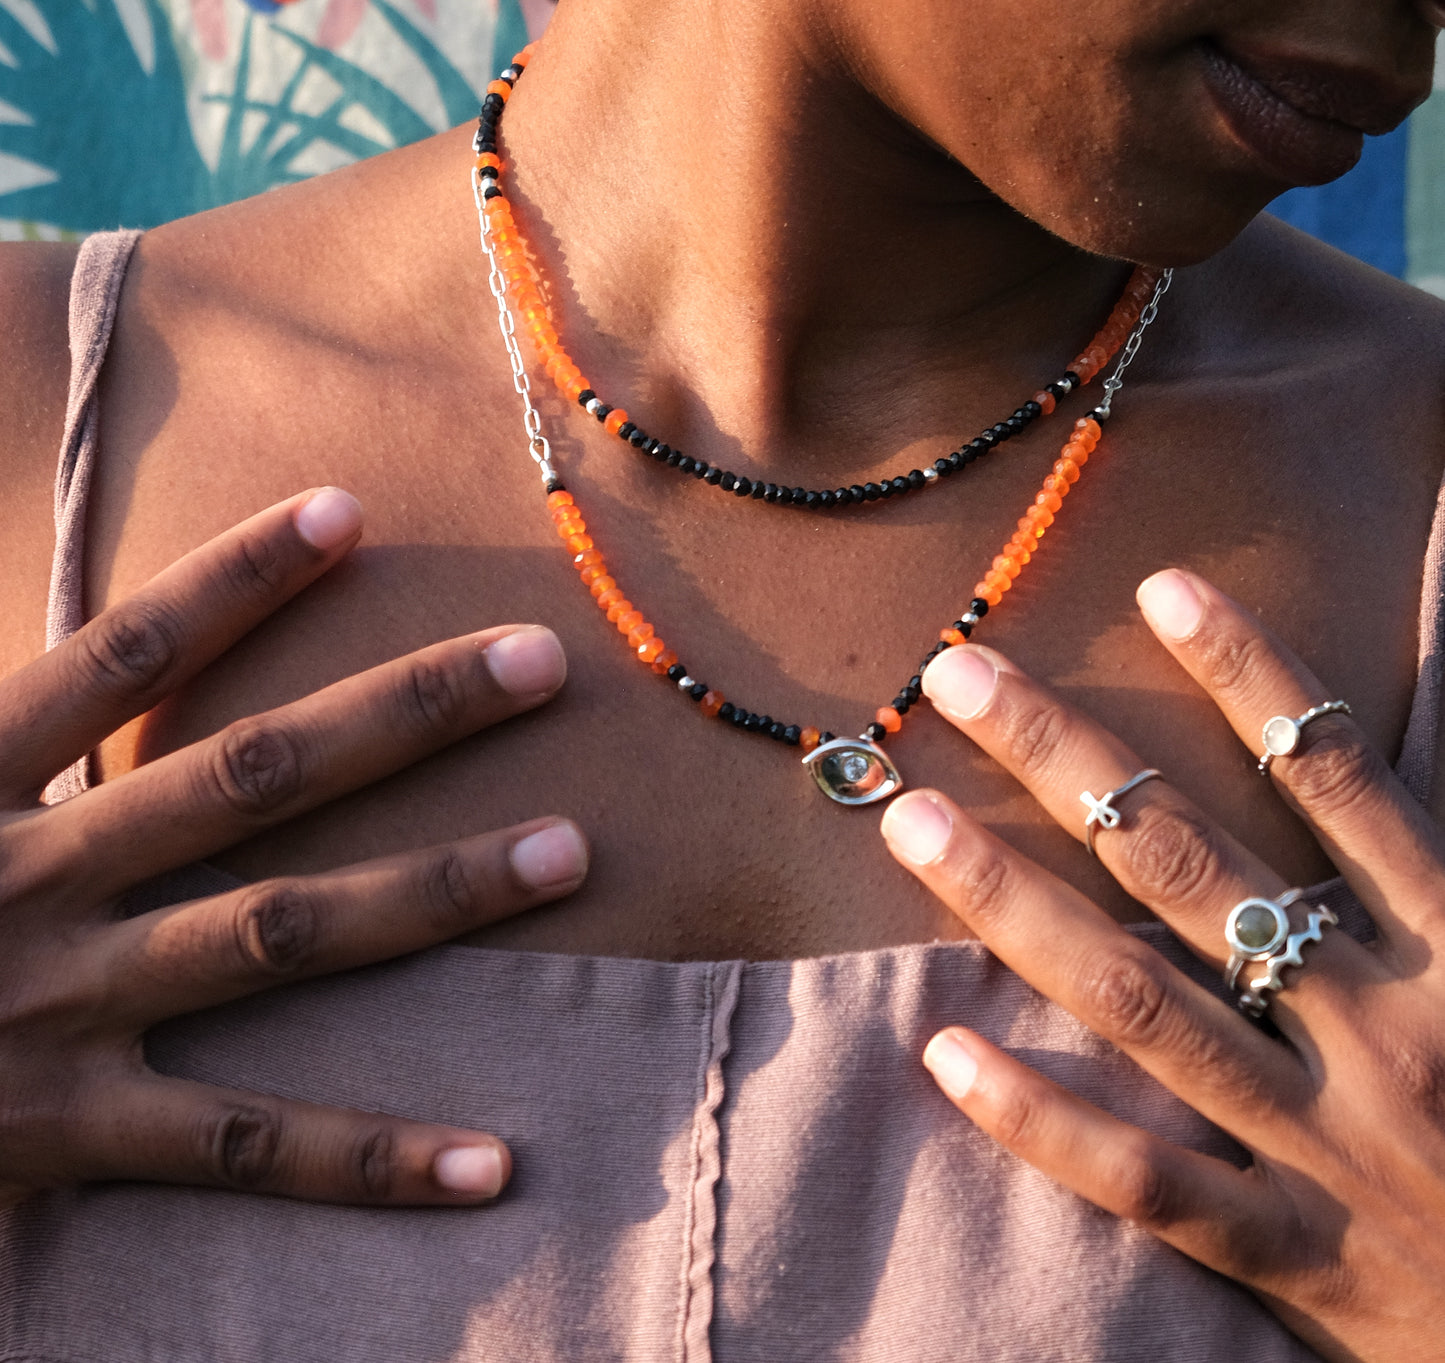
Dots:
{"x": 133, "y": 112}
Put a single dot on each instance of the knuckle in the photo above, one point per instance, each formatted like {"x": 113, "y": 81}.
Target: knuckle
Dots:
{"x": 257, "y": 768}
{"x": 985, "y": 885}
{"x": 1172, "y": 855}
{"x": 253, "y": 570}
{"x": 1034, "y": 735}
{"x": 1232, "y": 663}
{"x": 1336, "y": 769}
{"x": 1146, "y": 1189}
{"x": 432, "y": 699}
{"x": 1019, "y": 1120}
{"x": 374, "y": 1162}
{"x": 277, "y": 930}
{"x": 1127, "y": 1000}
{"x": 1415, "y": 1074}
{"x": 448, "y": 893}
{"x": 245, "y": 1146}
{"x": 132, "y": 648}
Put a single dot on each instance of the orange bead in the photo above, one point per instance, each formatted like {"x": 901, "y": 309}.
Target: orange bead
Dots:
{"x": 578, "y": 543}
{"x": 1057, "y": 484}
{"x": 489, "y": 158}
{"x": 664, "y": 660}
{"x": 889, "y": 718}
{"x": 712, "y": 702}
{"x": 626, "y": 621}
{"x": 1042, "y": 518}
{"x": 1049, "y": 500}
{"x": 560, "y": 498}
{"x": 1067, "y": 470}
{"x": 587, "y": 560}
{"x": 501, "y": 89}
{"x": 988, "y": 591}
{"x": 952, "y": 637}
{"x": 611, "y": 597}
{"x": 997, "y": 581}
{"x": 639, "y": 636}
{"x": 651, "y": 651}
{"x": 1089, "y": 426}
{"x": 599, "y": 586}
{"x": 808, "y": 739}
{"x": 1007, "y": 565}
{"x": 1045, "y": 399}
{"x": 592, "y": 572}
{"x": 615, "y": 420}
{"x": 1031, "y": 525}
{"x": 622, "y": 606}
{"x": 1077, "y": 451}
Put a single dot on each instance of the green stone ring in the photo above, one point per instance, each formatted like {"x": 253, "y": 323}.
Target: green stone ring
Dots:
{"x": 1255, "y": 929}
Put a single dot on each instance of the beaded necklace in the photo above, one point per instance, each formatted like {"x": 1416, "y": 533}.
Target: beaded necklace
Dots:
{"x": 849, "y": 771}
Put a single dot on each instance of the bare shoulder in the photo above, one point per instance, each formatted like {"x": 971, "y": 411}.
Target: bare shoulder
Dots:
{"x": 34, "y": 377}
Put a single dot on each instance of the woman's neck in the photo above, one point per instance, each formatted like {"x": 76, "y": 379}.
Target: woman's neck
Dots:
{"x": 775, "y": 264}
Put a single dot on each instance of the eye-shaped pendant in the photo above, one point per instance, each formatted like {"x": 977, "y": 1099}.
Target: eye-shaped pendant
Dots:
{"x": 853, "y": 771}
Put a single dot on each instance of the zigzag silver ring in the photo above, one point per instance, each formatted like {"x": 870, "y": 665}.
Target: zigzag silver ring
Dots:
{"x": 1258, "y": 934}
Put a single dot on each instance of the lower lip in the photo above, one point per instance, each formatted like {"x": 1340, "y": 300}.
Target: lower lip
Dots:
{"x": 1297, "y": 147}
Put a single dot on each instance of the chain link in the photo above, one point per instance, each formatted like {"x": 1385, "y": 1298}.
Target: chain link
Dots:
{"x": 537, "y": 445}
{"x": 1115, "y": 381}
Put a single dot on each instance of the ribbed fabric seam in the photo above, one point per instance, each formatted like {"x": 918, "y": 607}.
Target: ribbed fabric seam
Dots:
{"x": 699, "y": 1222}
{"x": 94, "y": 292}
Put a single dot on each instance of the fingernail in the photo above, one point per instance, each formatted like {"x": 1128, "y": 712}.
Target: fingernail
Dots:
{"x": 553, "y": 856}
{"x": 952, "y": 1067}
{"x": 960, "y": 682}
{"x": 528, "y": 662}
{"x": 1170, "y": 603}
{"x": 917, "y": 829}
{"x": 328, "y": 518}
{"x": 470, "y": 1169}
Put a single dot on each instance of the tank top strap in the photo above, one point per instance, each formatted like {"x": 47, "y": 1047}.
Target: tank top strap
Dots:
{"x": 1416, "y": 767}
{"x": 94, "y": 292}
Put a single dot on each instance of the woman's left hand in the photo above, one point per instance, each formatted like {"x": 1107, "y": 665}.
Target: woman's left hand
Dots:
{"x": 1338, "y": 1225}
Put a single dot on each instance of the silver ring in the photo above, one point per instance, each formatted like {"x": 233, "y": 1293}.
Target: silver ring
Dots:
{"x": 1282, "y": 734}
{"x": 1102, "y": 813}
{"x": 1254, "y": 934}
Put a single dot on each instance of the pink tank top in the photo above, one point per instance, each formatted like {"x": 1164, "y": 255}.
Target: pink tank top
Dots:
{"x": 715, "y": 1161}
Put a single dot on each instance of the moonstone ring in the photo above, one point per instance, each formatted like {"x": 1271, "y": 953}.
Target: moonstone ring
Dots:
{"x": 1282, "y": 734}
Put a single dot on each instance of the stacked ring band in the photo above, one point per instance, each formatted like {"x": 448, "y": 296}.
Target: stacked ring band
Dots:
{"x": 1258, "y": 933}
{"x": 1282, "y": 734}
{"x": 1102, "y": 813}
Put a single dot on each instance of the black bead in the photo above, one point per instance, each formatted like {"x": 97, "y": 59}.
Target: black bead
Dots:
{"x": 875, "y": 731}
{"x": 491, "y": 192}
{"x": 956, "y": 460}
{"x": 911, "y": 693}
{"x": 984, "y": 441}
{"x": 1096, "y": 415}
{"x": 963, "y": 627}
{"x": 676, "y": 672}
{"x": 585, "y": 396}
{"x": 1001, "y": 431}
{"x": 810, "y": 500}
{"x": 700, "y": 468}
{"x": 511, "y": 74}
{"x": 872, "y": 492}
{"x": 697, "y": 690}
{"x": 791, "y": 735}
{"x": 554, "y": 485}
{"x": 602, "y": 411}
{"x": 1057, "y": 389}
{"x": 765, "y": 722}
{"x": 901, "y": 483}
{"x": 770, "y": 492}
{"x": 726, "y": 481}
{"x": 492, "y": 104}
{"x": 753, "y": 723}
{"x": 725, "y": 710}
{"x": 858, "y": 492}
{"x": 799, "y": 496}
{"x": 827, "y": 736}
{"x": 674, "y": 459}
{"x": 885, "y": 488}
{"x": 1031, "y": 410}
{"x": 901, "y": 703}
{"x": 777, "y": 729}
{"x": 624, "y": 431}
{"x": 713, "y": 476}
{"x": 743, "y": 487}
{"x": 914, "y": 683}
{"x": 933, "y": 652}
{"x": 740, "y": 717}
{"x": 825, "y": 499}
{"x": 978, "y": 606}
{"x": 684, "y": 461}
{"x": 489, "y": 173}
{"x": 760, "y": 489}
{"x": 916, "y": 478}
{"x": 1014, "y": 425}
{"x": 942, "y": 467}
{"x": 1072, "y": 377}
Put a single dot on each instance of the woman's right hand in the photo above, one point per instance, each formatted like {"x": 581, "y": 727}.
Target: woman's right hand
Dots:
{"x": 79, "y": 984}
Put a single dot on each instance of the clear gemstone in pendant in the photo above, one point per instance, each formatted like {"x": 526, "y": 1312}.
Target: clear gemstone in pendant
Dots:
{"x": 853, "y": 771}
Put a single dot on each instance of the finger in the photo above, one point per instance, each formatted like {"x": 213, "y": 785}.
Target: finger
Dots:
{"x": 1233, "y": 1221}
{"x": 164, "y": 1130}
{"x": 263, "y": 770}
{"x": 1380, "y": 838}
{"x": 125, "y": 660}
{"x": 1114, "y": 983}
{"x": 1165, "y": 852}
{"x": 178, "y": 960}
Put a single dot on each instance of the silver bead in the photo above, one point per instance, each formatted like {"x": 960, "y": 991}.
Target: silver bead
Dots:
{"x": 968, "y": 618}
{"x": 592, "y": 405}
{"x": 685, "y": 683}
{"x": 930, "y": 475}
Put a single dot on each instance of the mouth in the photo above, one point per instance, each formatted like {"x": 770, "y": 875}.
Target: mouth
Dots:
{"x": 1306, "y": 120}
